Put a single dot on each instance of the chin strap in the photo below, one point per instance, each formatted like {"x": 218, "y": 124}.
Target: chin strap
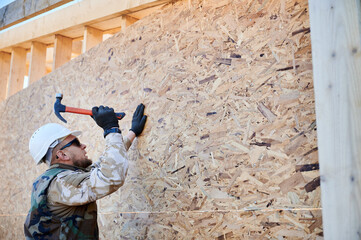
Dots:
{"x": 49, "y": 153}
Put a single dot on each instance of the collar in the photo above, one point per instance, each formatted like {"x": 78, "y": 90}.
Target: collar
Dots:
{"x": 68, "y": 167}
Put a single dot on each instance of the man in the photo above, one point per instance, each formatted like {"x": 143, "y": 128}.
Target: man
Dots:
{"x": 63, "y": 198}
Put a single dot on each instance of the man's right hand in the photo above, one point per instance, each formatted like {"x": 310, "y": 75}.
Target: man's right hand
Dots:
{"x": 105, "y": 117}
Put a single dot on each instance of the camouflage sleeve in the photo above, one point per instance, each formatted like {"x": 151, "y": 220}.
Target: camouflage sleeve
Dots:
{"x": 106, "y": 176}
{"x": 127, "y": 142}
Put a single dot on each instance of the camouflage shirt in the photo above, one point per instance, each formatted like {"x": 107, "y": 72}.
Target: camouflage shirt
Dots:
{"x": 63, "y": 198}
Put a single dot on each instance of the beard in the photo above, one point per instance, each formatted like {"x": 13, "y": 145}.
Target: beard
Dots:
{"x": 84, "y": 163}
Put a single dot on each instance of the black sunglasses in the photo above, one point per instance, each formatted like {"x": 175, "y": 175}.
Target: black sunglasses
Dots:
{"x": 75, "y": 141}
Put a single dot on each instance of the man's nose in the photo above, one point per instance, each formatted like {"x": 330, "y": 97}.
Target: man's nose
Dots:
{"x": 83, "y": 146}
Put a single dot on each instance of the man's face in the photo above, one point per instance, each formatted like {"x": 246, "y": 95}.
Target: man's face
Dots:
{"x": 76, "y": 152}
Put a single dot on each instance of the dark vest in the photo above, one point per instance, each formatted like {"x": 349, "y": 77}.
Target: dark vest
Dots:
{"x": 42, "y": 224}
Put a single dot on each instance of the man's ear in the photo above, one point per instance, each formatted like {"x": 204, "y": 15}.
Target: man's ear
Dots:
{"x": 60, "y": 155}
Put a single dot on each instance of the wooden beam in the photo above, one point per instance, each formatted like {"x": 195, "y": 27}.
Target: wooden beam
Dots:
{"x": 4, "y": 73}
{"x": 62, "y": 50}
{"x": 17, "y": 70}
{"x": 20, "y": 10}
{"x": 68, "y": 18}
{"x": 127, "y": 21}
{"x": 336, "y": 53}
{"x": 37, "y": 68}
{"x": 92, "y": 37}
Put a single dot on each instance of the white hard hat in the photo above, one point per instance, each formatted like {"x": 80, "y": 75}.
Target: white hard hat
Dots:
{"x": 47, "y": 137}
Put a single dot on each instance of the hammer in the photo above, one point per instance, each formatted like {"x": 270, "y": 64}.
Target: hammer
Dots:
{"x": 58, "y": 108}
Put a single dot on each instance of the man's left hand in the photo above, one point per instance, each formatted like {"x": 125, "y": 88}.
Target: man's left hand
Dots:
{"x": 139, "y": 120}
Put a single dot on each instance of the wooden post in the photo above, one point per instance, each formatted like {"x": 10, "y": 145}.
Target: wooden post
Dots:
{"x": 17, "y": 70}
{"x": 62, "y": 50}
{"x": 127, "y": 21}
{"x": 92, "y": 37}
{"x": 336, "y": 54}
{"x": 4, "y": 73}
{"x": 359, "y": 16}
{"x": 37, "y": 68}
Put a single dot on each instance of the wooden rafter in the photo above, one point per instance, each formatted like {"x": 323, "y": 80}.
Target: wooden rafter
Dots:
{"x": 17, "y": 70}
{"x": 37, "y": 67}
{"x": 4, "y": 73}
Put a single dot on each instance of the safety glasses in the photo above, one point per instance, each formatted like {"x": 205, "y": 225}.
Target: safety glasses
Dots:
{"x": 74, "y": 141}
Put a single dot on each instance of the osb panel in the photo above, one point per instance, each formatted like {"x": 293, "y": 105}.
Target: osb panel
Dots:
{"x": 229, "y": 96}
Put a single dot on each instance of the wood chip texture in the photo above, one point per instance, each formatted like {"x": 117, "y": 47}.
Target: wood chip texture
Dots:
{"x": 228, "y": 92}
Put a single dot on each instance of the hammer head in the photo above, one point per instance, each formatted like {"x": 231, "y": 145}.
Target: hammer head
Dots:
{"x": 58, "y": 107}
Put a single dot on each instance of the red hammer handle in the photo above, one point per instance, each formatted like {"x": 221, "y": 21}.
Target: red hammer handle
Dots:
{"x": 88, "y": 112}
{"x": 78, "y": 110}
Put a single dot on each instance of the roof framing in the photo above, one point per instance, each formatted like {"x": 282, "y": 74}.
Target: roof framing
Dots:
{"x": 68, "y": 22}
{"x": 20, "y": 10}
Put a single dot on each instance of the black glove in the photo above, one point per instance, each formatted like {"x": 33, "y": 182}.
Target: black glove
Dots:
{"x": 138, "y": 121}
{"x": 105, "y": 117}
